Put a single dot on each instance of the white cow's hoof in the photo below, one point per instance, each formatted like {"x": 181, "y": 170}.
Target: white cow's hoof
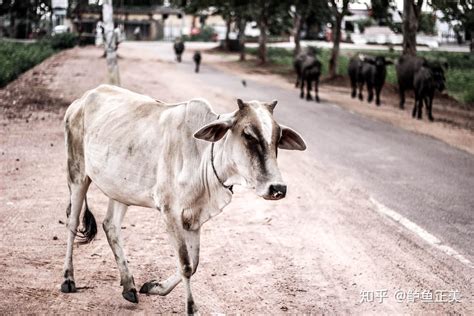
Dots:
{"x": 131, "y": 296}
{"x": 68, "y": 286}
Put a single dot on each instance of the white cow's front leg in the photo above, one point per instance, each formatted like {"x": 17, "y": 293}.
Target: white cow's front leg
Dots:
{"x": 188, "y": 254}
{"x": 112, "y": 227}
{"x": 161, "y": 288}
{"x": 186, "y": 244}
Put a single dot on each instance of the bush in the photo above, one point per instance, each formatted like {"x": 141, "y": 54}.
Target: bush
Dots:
{"x": 206, "y": 35}
{"x": 63, "y": 41}
{"x": 16, "y": 58}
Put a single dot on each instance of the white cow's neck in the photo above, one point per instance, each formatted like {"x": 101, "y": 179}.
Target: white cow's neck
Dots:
{"x": 219, "y": 194}
{"x": 228, "y": 187}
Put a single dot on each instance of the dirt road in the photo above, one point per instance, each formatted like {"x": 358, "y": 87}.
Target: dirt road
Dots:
{"x": 314, "y": 252}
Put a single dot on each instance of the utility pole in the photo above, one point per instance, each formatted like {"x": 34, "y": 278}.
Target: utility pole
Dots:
{"x": 110, "y": 43}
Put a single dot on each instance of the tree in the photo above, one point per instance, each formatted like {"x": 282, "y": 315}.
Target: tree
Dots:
{"x": 379, "y": 10}
{"x": 338, "y": 15}
{"x": 305, "y": 11}
{"x": 411, "y": 18}
{"x": 24, "y": 15}
{"x": 110, "y": 43}
{"x": 271, "y": 15}
{"x": 243, "y": 14}
{"x": 462, "y": 11}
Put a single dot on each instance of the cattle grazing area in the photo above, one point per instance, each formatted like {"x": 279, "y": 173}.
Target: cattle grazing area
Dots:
{"x": 323, "y": 202}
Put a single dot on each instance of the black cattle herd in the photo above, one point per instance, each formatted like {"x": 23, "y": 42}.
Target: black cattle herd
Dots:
{"x": 413, "y": 73}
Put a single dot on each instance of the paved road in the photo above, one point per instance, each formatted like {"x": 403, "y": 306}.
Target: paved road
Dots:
{"x": 313, "y": 252}
{"x": 425, "y": 180}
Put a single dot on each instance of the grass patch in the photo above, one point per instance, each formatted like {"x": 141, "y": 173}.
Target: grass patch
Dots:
{"x": 459, "y": 75}
{"x": 16, "y": 58}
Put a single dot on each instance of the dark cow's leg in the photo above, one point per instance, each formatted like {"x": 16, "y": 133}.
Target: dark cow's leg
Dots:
{"x": 401, "y": 92}
{"x": 354, "y": 87}
{"x": 308, "y": 90}
{"x": 298, "y": 78}
{"x": 370, "y": 91}
{"x": 316, "y": 88}
{"x": 413, "y": 113}
{"x": 361, "y": 87}
{"x": 78, "y": 193}
{"x": 420, "y": 108}
{"x": 302, "y": 88}
{"x": 378, "y": 89}
{"x": 112, "y": 227}
{"x": 429, "y": 104}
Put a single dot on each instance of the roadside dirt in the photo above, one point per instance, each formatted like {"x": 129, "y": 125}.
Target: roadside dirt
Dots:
{"x": 454, "y": 124}
{"x": 313, "y": 252}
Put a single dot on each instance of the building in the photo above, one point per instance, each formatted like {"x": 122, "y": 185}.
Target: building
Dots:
{"x": 152, "y": 22}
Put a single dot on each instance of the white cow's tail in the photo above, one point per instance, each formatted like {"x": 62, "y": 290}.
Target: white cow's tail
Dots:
{"x": 89, "y": 226}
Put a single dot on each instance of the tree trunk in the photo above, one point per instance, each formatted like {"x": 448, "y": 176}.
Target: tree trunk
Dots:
{"x": 411, "y": 14}
{"x": 262, "y": 41}
{"x": 472, "y": 42}
{"x": 263, "y": 26}
{"x": 241, "y": 36}
{"x": 297, "y": 25}
{"x": 228, "y": 21}
{"x": 336, "y": 37}
{"x": 110, "y": 43}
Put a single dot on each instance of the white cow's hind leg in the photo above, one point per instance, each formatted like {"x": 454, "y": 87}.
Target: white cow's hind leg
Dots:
{"x": 78, "y": 193}
{"x": 112, "y": 227}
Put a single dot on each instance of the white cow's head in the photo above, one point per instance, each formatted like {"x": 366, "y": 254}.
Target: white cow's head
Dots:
{"x": 251, "y": 146}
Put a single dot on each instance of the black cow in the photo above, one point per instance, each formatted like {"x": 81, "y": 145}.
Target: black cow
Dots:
{"x": 406, "y": 68}
{"x": 197, "y": 60}
{"x": 428, "y": 79}
{"x": 298, "y": 63}
{"x": 370, "y": 71}
{"x": 311, "y": 71}
{"x": 178, "y": 49}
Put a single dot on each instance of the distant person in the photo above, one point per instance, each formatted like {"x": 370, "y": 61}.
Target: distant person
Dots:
{"x": 99, "y": 34}
{"x": 197, "y": 60}
{"x": 137, "y": 33}
{"x": 178, "y": 48}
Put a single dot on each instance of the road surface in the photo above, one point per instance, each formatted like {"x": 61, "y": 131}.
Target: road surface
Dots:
{"x": 371, "y": 208}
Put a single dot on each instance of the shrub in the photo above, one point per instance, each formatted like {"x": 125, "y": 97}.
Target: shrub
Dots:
{"x": 15, "y": 58}
{"x": 63, "y": 41}
{"x": 206, "y": 35}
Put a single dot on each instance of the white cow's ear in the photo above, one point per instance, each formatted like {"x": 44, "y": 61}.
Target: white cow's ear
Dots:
{"x": 290, "y": 139}
{"x": 214, "y": 131}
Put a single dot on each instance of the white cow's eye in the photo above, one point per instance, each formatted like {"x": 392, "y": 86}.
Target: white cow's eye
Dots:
{"x": 248, "y": 137}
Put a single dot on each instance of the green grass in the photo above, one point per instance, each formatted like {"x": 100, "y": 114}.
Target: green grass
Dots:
{"x": 459, "y": 75}
{"x": 16, "y": 58}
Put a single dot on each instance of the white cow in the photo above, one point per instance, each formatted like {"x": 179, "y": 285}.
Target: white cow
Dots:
{"x": 181, "y": 159}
